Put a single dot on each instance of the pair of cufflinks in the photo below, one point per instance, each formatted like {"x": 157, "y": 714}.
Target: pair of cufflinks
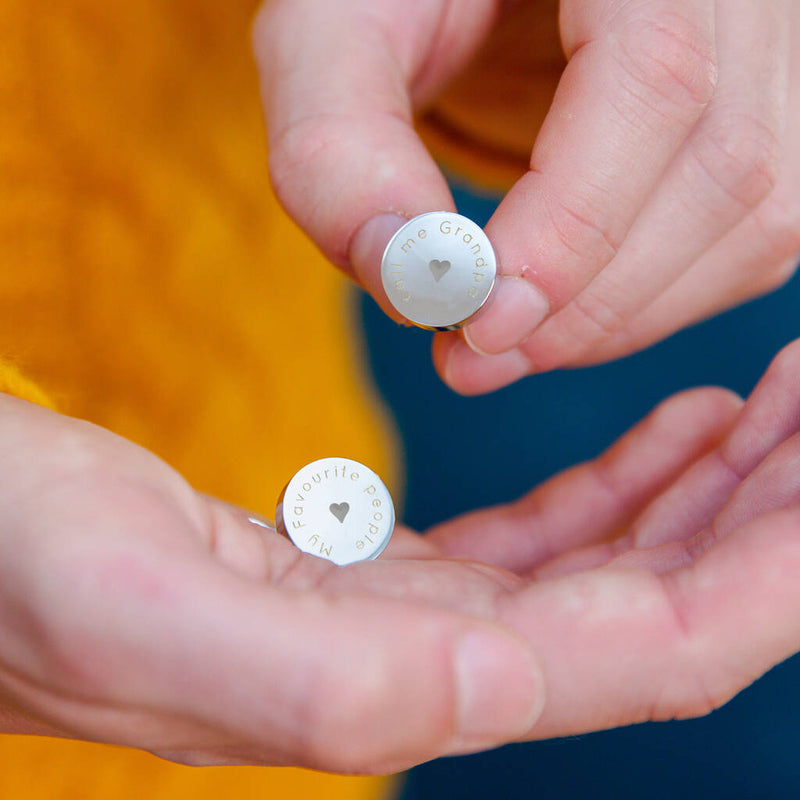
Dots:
{"x": 437, "y": 271}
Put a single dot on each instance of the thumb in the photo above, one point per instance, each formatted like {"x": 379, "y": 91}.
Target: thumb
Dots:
{"x": 340, "y": 679}
{"x": 338, "y": 82}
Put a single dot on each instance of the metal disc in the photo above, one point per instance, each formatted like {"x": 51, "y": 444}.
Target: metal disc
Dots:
{"x": 438, "y": 270}
{"x": 337, "y": 509}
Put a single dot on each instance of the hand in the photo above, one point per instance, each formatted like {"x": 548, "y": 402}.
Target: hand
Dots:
{"x": 664, "y": 182}
{"x": 661, "y": 578}
{"x": 651, "y": 583}
{"x": 136, "y": 611}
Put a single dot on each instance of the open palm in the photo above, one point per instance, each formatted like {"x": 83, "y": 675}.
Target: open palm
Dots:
{"x": 654, "y": 582}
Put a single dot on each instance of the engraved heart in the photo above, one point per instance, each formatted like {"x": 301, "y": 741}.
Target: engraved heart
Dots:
{"x": 438, "y": 268}
{"x": 339, "y": 510}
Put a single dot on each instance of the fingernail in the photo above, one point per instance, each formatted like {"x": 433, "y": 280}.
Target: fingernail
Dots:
{"x": 366, "y": 250}
{"x": 514, "y": 310}
{"x": 470, "y": 373}
{"x": 500, "y": 688}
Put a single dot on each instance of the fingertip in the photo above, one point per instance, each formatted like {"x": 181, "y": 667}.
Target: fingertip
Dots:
{"x": 701, "y": 410}
{"x": 365, "y": 254}
{"x": 471, "y": 373}
{"x": 368, "y": 244}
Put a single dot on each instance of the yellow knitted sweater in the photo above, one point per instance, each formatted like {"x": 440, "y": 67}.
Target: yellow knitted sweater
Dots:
{"x": 150, "y": 283}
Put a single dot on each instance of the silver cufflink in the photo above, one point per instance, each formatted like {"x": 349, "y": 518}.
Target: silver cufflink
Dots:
{"x": 438, "y": 270}
{"x": 337, "y": 509}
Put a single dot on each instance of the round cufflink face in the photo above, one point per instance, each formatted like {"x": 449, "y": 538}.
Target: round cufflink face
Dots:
{"x": 337, "y": 509}
{"x": 438, "y": 270}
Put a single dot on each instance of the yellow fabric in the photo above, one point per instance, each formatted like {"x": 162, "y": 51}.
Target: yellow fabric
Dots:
{"x": 12, "y": 381}
{"x": 150, "y": 283}
{"x": 483, "y": 125}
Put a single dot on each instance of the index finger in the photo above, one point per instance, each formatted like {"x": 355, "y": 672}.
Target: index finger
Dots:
{"x": 639, "y": 77}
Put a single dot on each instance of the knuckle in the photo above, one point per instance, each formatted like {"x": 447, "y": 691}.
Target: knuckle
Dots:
{"x": 303, "y": 149}
{"x": 672, "y": 57}
{"x": 586, "y": 231}
{"x": 766, "y": 404}
{"x": 598, "y": 316}
{"x": 741, "y": 156}
{"x": 294, "y": 148}
{"x": 306, "y": 160}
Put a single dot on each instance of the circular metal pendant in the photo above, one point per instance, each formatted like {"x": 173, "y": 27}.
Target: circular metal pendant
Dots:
{"x": 337, "y": 509}
{"x": 438, "y": 270}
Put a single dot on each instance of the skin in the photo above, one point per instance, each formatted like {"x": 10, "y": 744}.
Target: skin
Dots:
{"x": 652, "y": 583}
{"x": 663, "y": 181}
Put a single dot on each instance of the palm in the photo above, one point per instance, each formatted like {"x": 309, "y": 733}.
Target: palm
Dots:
{"x": 653, "y": 582}
{"x": 660, "y": 578}
{"x": 137, "y": 611}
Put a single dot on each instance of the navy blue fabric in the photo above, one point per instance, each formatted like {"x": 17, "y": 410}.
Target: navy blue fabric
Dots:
{"x": 464, "y": 453}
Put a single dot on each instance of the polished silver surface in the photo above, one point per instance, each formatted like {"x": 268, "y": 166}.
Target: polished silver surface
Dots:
{"x": 337, "y": 509}
{"x": 438, "y": 270}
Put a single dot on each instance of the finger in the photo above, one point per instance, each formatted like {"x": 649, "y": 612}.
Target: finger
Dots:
{"x": 261, "y": 553}
{"x": 747, "y": 475}
{"x": 688, "y": 507}
{"x": 344, "y": 158}
{"x": 723, "y": 171}
{"x": 770, "y": 417}
{"x": 305, "y": 676}
{"x": 773, "y": 484}
{"x": 759, "y": 255}
{"x": 470, "y": 373}
{"x": 318, "y": 677}
{"x": 771, "y": 414}
{"x": 639, "y": 77}
{"x": 624, "y": 645}
{"x": 595, "y": 500}
{"x": 250, "y": 545}
{"x": 406, "y": 544}
{"x": 299, "y": 663}
{"x": 52, "y": 713}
